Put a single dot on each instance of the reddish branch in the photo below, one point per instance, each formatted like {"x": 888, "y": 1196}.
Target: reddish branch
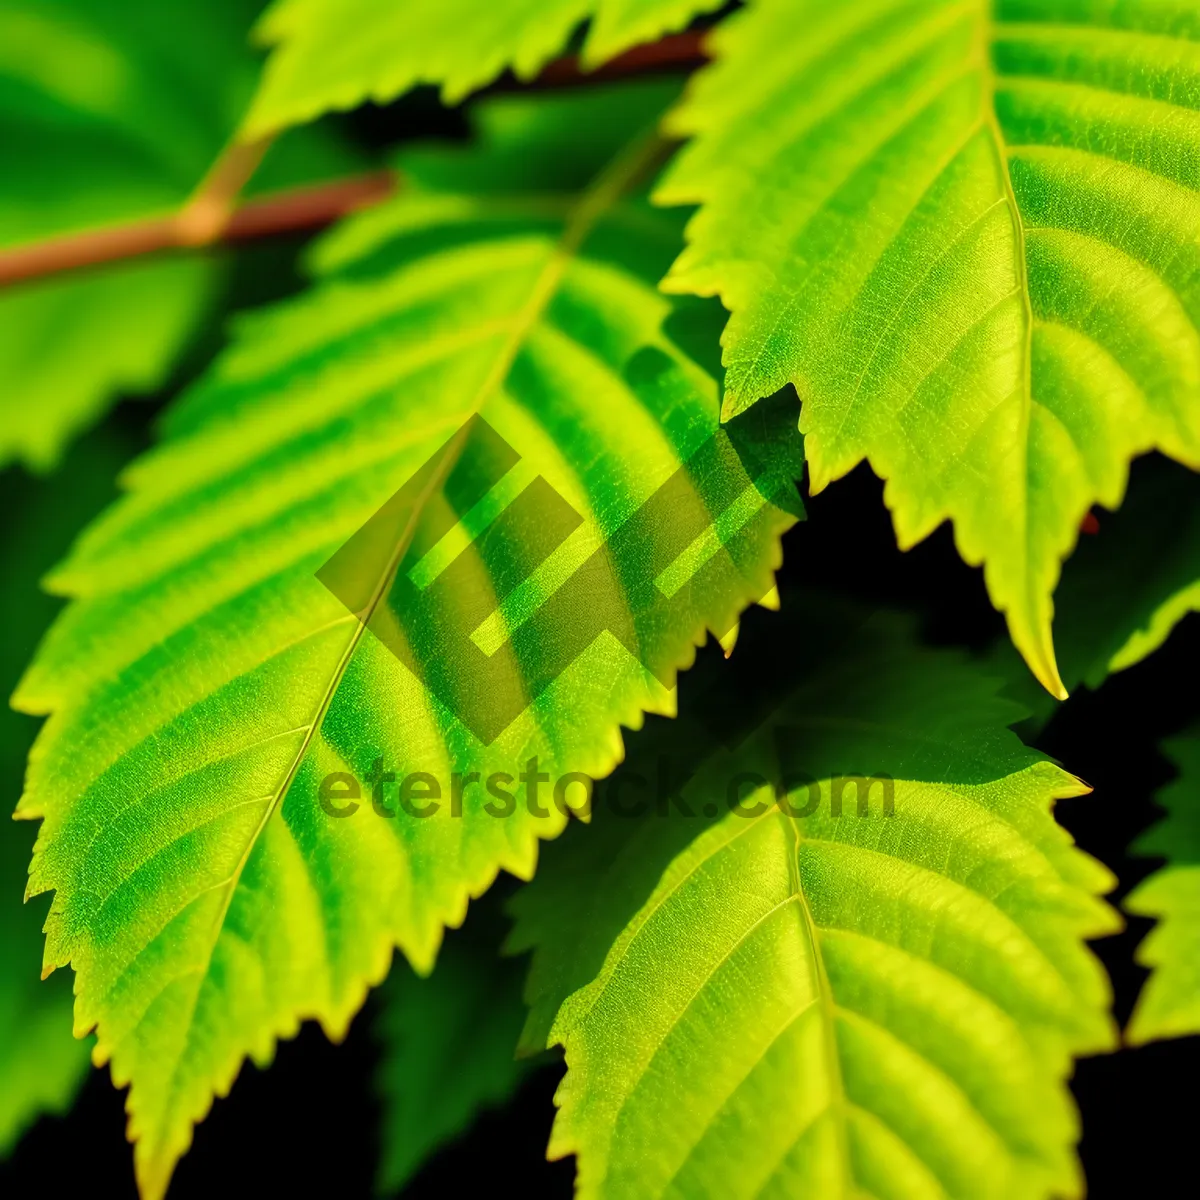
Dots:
{"x": 669, "y": 53}
{"x": 214, "y": 215}
{"x": 298, "y": 208}
{"x": 309, "y": 207}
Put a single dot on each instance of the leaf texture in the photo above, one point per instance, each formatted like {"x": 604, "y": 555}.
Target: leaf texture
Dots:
{"x": 334, "y": 54}
{"x": 1169, "y": 1005}
{"x": 203, "y": 683}
{"x": 966, "y": 233}
{"x": 774, "y": 1002}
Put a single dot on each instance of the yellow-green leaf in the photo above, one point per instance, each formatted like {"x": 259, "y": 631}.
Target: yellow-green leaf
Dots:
{"x": 336, "y": 54}
{"x": 784, "y": 1000}
{"x": 966, "y": 233}
{"x": 203, "y": 682}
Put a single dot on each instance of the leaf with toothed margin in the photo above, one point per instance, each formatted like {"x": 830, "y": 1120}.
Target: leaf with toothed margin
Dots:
{"x": 966, "y": 233}
{"x": 203, "y": 683}
{"x": 337, "y": 54}
{"x": 1169, "y": 1005}
{"x": 782, "y": 1000}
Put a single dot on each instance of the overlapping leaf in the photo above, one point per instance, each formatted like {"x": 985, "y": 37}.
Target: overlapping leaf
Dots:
{"x": 335, "y": 54}
{"x": 966, "y": 232}
{"x": 112, "y": 113}
{"x": 779, "y": 1001}
{"x": 107, "y": 112}
{"x": 1124, "y": 590}
{"x": 1127, "y": 587}
{"x": 1169, "y": 1005}
{"x": 450, "y": 1051}
{"x": 203, "y": 682}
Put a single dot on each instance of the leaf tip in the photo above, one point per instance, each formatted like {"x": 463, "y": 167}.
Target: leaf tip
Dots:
{"x": 733, "y": 404}
{"x": 1038, "y": 653}
{"x": 729, "y": 639}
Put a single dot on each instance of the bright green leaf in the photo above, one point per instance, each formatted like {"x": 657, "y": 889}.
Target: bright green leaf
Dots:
{"x": 336, "y": 54}
{"x": 966, "y": 232}
{"x": 764, "y": 1005}
{"x": 450, "y": 1052}
{"x": 203, "y": 682}
{"x": 1169, "y": 1005}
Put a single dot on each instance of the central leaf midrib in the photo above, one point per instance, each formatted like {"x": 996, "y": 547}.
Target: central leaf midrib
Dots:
{"x": 606, "y": 190}
{"x": 839, "y": 1101}
{"x": 989, "y": 28}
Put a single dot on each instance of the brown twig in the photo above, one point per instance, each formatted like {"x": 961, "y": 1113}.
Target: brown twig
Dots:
{"x": 214, "y": 215}
{"x": 87, "y": 249}
{"x": 308, "y": 207}
{"x": 203, "y": 219}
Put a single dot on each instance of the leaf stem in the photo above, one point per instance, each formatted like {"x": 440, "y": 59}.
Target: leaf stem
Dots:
{"x": 213, "y": 215}
{"x": 309, "y": 207}
{"x": 204, "y": 218}
{"x": 673, "y": 51}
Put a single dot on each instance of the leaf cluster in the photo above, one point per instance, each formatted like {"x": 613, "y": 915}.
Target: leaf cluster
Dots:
{"x": 530, "y": 424}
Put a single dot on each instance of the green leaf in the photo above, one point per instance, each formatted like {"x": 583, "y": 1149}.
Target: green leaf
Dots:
{"x": 450, "y": 1052}
{"x": 108, "y": 112}
{"x": 41, "y": 1064}
{"x": 71, "y": 346}
{"x": 1169, "y": 1005}
{"x": 203, "y": 682}
{"x": 111, "y": 112}
{"x": 760, "y": 1004}
{"x": 966, "y": 233}
{"x": 336, "y": 54}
